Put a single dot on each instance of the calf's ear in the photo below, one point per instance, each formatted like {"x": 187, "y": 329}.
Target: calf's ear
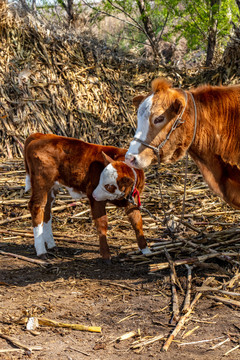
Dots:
{"x": 177, "y": 106}
{"x": 126, "y": 182}
{"x": 106, "y": 159}
{"x": 137, "y": 100}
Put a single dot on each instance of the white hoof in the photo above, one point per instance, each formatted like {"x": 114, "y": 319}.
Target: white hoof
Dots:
{"x": 146, "y": 251}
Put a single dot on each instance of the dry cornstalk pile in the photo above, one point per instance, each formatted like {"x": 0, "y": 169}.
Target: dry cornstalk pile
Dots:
{"x": 56, "y": 81}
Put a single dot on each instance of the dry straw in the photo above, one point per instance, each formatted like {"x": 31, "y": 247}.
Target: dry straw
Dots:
{"x": 56, "y": 81}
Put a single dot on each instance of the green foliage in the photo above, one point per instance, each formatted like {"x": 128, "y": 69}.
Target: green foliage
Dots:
{"x": 186, "y": 18}
{"x": 198, "y": 16}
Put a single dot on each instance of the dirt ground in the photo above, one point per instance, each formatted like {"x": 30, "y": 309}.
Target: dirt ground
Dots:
{"x": 77, "y": 288}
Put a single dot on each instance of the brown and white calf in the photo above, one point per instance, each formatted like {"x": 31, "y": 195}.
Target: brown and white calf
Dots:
{"x": 84, "y": 169}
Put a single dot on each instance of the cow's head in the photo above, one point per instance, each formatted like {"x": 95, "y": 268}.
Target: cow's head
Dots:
{"x": 116, "y": 181}
{"x": 157, "y": 113}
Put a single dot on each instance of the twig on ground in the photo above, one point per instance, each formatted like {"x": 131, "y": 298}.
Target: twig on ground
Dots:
{"x": 231, "y": 350}
{"x": 19, "y": 344}
{"x": 24, "y": 258}
{"x": 187, "y": 299}
{"x": 201, "y": 341}
{"x": 143, "y": 342}
{"x": 160, "y": 266}
{"x": 224, "y": 300}
{"x": 183, "y": 318}
{"x": 174, "y": 281}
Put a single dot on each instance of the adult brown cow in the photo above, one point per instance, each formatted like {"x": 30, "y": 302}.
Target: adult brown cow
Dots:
{"x": 204, "y": 121}
{"x": 52, "y": 161}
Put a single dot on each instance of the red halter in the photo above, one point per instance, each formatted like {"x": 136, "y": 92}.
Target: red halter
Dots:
{"x": 136, "y": 193}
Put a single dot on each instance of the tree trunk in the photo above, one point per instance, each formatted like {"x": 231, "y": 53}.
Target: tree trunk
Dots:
{"x": 238, "y": 4}
{"x": 212, "y": 31}
{"x": 148, "y": 27}
{"x": 70, "y": 12}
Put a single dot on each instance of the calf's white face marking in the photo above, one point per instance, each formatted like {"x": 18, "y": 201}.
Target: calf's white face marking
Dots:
{"x": 108, "y": 179}
{"x": 144, "y": 112}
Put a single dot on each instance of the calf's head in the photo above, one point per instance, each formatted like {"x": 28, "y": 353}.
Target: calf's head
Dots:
{"x": 157, "y": 113}
{"x": 116, "y": 182}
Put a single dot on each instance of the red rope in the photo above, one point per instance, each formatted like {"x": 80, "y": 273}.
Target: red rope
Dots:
{"x": 136, "y": 193}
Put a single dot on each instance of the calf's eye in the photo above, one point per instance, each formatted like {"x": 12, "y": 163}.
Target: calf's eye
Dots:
{"x": 159, "y": 119}
{"x": 110, "y": 188}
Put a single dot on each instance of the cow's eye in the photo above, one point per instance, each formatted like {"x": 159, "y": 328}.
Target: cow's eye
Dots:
{"x": 159, "y": 119}
{"x": 110, "y": 188}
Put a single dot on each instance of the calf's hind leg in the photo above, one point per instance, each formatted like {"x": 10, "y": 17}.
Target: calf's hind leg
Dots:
{"x": 36, "y": 206}
{"x": 47, "y": 222}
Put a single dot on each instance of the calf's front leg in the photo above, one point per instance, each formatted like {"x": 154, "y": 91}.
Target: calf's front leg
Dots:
{"x": 100, "y": 218}
{"x": 135, "y": 219}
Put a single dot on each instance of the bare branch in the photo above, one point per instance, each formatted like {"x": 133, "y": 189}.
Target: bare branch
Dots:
{"x": 113, "y": 16}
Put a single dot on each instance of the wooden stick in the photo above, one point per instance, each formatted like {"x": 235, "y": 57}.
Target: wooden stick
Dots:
{"x": 48, "y": 322}
{"x": 209, "y": 288}
{"x": 225, "y": 300}
{"x": 19, "y": 344}
{"x": 188, "y": 292}
{"x": 231, "y": 350}
{"x": 183, "y": 318}
{"x": 235, "y": 278}
{"x": 11, "y": 350}
{"x": 200, "y": 341}
{"x": 24, "y": 258}
{"x": 173, "y": 277}
{"x": 147, "y": 342}
{"x": 219, "y": 344}
{"x": 205, "y": 249}
{"x": 57, "y": 208}
{"x": 160, "y": 266}
{"x": 77, "y": 350}
{"x": 8, "y": 231}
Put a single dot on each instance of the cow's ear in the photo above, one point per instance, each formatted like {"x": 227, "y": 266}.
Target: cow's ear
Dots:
{"x": 137, "y": 100}
{"x": 177, "y": 106}
{"x": 107, "y": 159}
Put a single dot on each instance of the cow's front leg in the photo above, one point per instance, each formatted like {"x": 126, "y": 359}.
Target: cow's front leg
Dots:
{"x": 100, "y": 218}
{"x": 135, "y": 219}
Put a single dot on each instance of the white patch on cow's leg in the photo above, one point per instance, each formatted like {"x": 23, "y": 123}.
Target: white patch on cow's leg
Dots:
{"x": 48, "y": 235}
{"x": 39, "y": 240}
{"x": 47, "y": 227}
{"x": 146, "y": 251}
{"x": 75, "y": 194}
{"x": 27, "y": 183}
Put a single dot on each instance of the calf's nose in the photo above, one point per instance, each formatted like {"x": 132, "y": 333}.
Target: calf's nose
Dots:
{"x": 130, "y": 159}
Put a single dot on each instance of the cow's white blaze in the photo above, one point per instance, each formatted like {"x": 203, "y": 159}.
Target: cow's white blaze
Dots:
{"x": 143, "y": 115}
{"x": 39, "y": 240}
{"x": 108, "y": 177}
